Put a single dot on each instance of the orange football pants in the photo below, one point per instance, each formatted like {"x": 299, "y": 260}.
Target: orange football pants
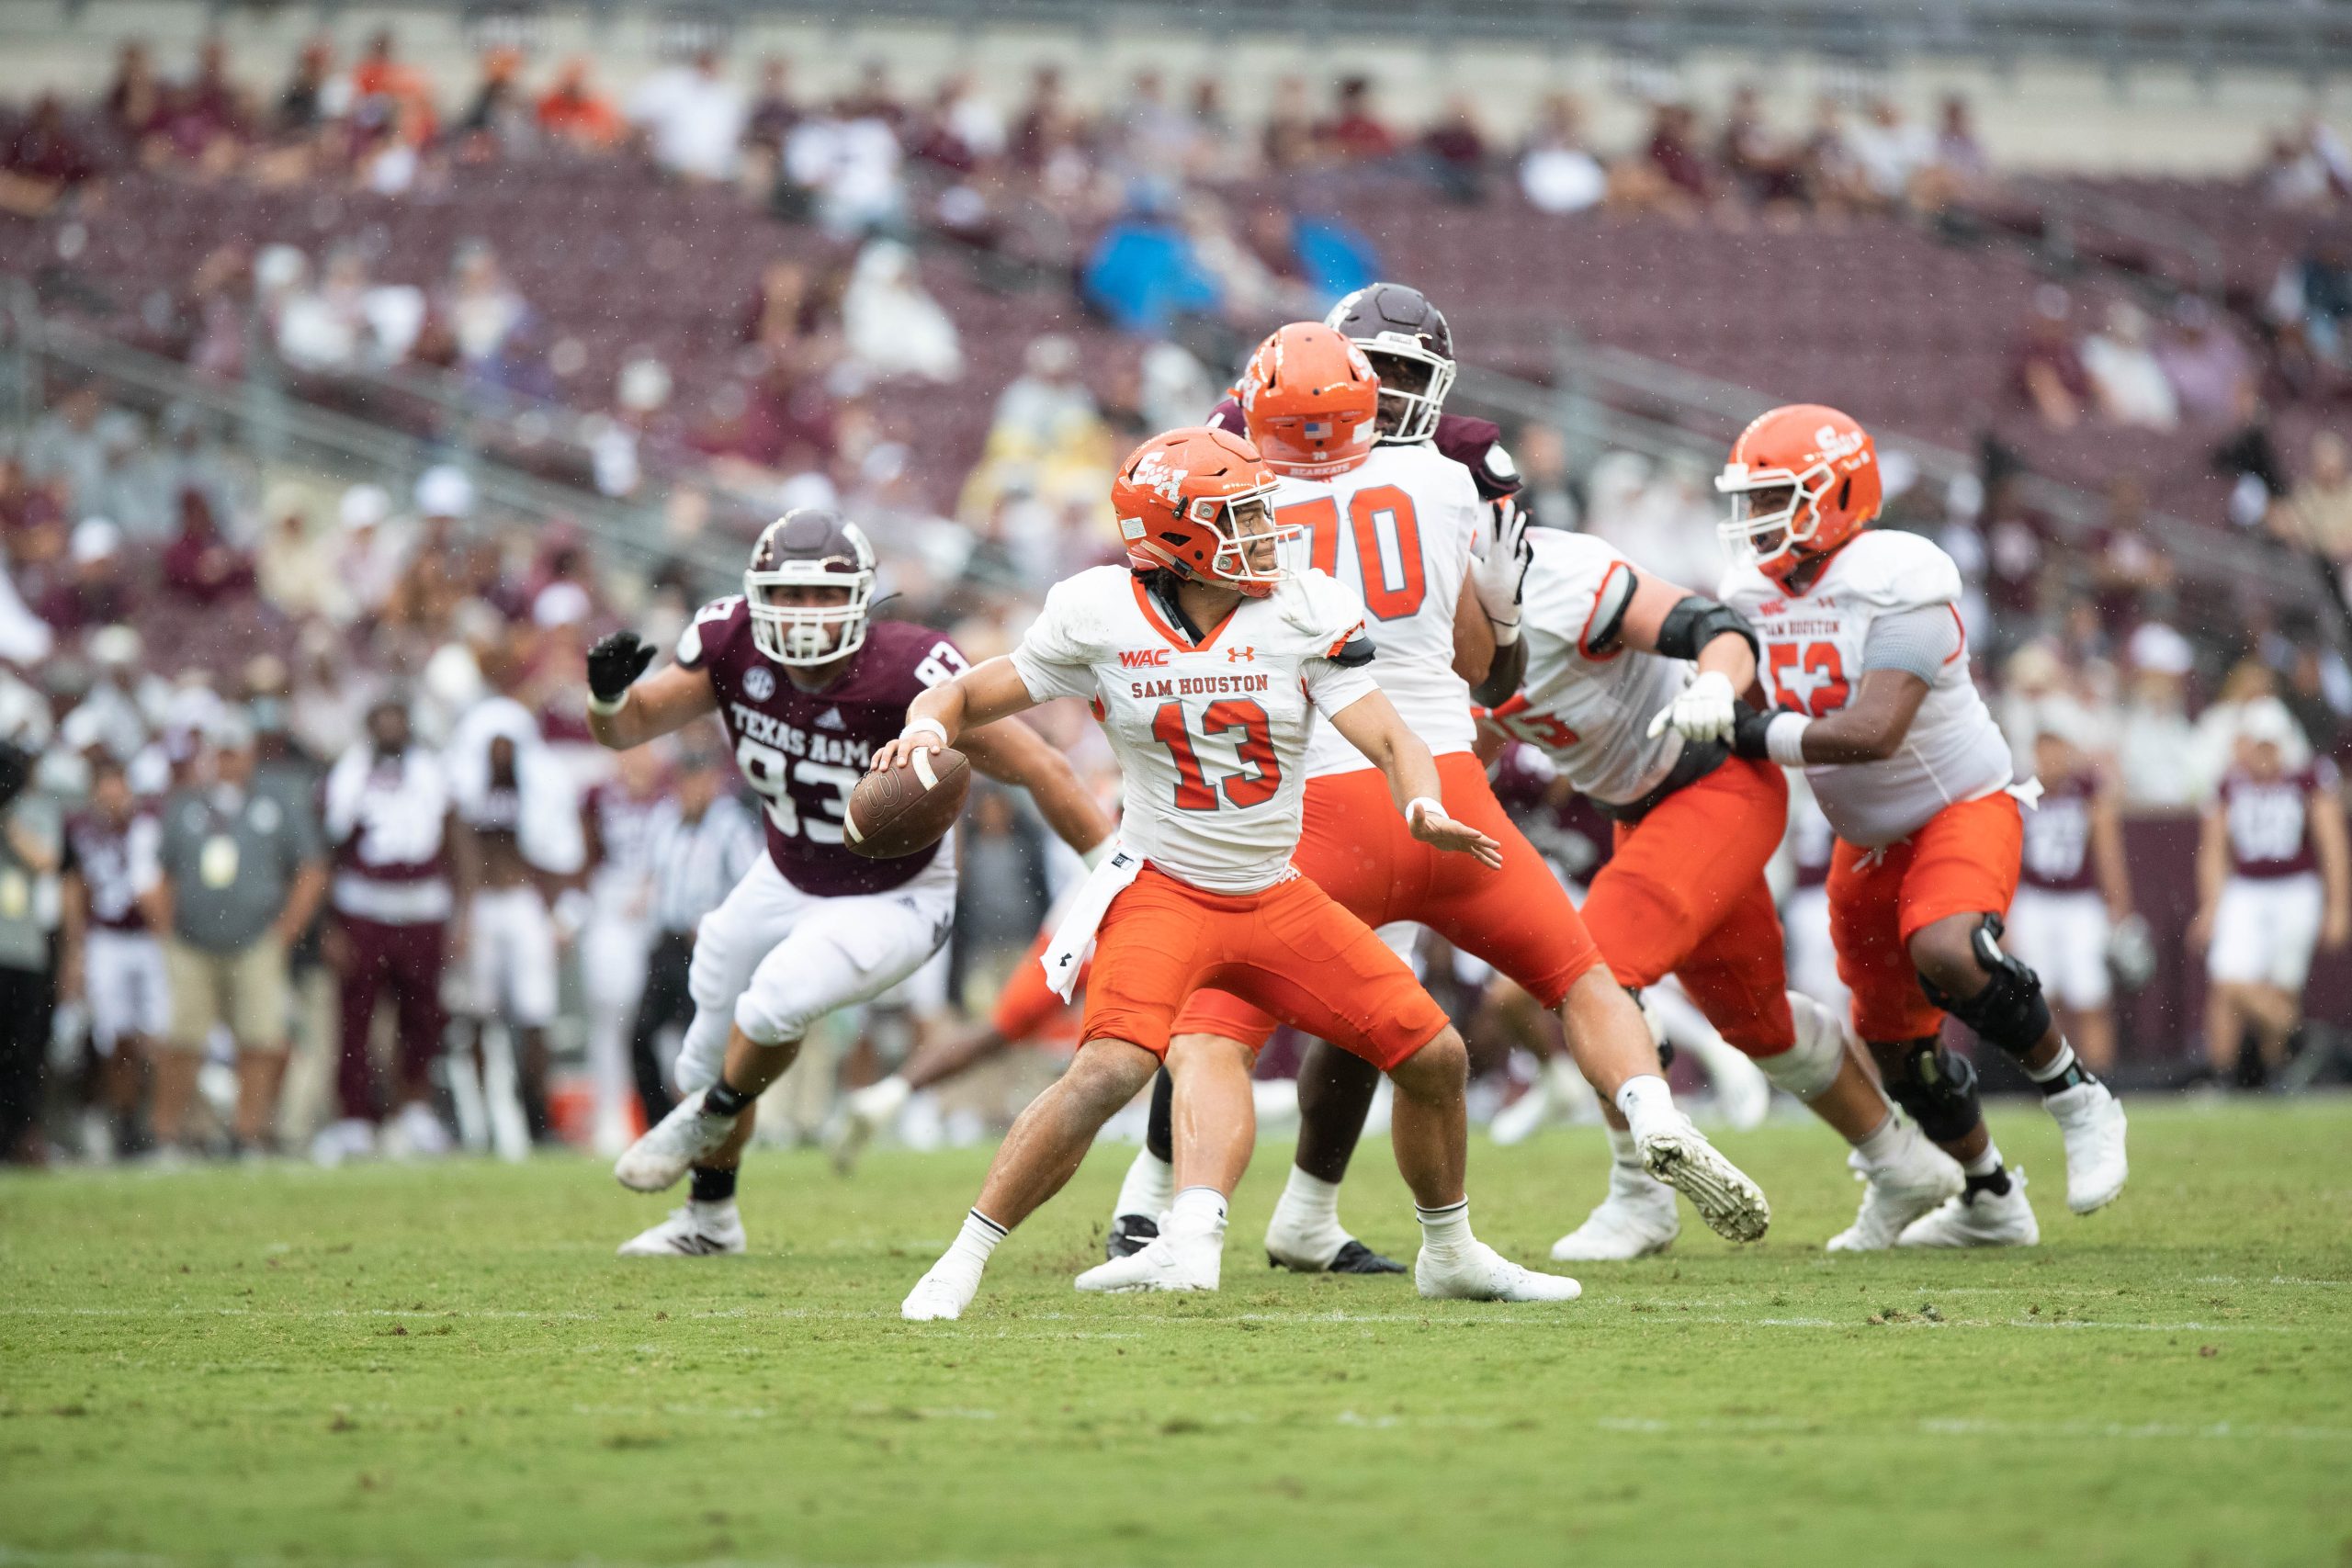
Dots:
{"x": 1962, "y": 862}
{"x": 1290, "y": 950}
{"x": 1357, "y": 849}
{"x": 1684, "y": 895}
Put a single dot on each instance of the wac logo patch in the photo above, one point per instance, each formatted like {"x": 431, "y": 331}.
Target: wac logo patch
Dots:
{"x": 1143, "y": 658}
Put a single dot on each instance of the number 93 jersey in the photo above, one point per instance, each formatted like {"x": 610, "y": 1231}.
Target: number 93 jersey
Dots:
{"x": 802, "y": 753}
{"x": 1212, "y": 735}
{"x": 1815, "y": 649}
{"x": 1397, "y": 531}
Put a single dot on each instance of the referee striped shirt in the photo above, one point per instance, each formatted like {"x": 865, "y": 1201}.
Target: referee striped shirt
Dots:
{"x": 697, "y": 863}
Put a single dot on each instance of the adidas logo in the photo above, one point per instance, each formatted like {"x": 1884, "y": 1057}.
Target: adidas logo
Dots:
{"x": 832, "y": 720}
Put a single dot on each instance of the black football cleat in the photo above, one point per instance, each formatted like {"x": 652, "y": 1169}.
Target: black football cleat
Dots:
{"x": 1353, "y": 1258}
{"x": 1130, "y": 1233}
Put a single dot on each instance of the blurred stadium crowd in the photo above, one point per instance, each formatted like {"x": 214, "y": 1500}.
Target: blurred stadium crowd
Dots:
{"x": 715, "y": 298}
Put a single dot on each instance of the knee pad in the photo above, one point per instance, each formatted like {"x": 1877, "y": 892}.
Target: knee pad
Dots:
{"x": 2009, "y": 1011}
{"x": 1936, "y": 1089}
{"x": 1807, "y": 1068}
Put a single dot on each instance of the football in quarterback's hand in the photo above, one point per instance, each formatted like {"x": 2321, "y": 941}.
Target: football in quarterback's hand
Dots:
{"x": 897, "y": 811}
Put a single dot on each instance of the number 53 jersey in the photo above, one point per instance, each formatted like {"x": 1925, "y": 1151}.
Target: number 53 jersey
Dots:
{"x": 1211, "y": 736}
{"x": 1816, "y": 646}
{"x": 802, "y": 753}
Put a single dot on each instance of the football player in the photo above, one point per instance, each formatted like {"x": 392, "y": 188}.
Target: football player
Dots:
{"x": 807, "y": 687}
{"x": 1865, "y": 666}
{"x": 1208, "y": 662}
{"x": 2073, "y": 903}
{"x": 1405, "y": 522}
{"x": 1631, "y": 688}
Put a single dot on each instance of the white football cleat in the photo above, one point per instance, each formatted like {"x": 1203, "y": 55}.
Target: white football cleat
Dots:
{"x": 1897, "y": 1194}
{"x": 1731, "y": 1204}
{"x": 1637, "y": 1218}
{"x": 657, "y": 1161}
{"x": 2091, "y": 1120}
{"x": 863, "y": 1113}
{"x": 417, "y": 1133}
{"x": 942, "y": 1295}
{"x": 1477, "y": 1272}
{"x": 1542, "y": 1106}
{"x": 1978, "y": 1219}
{"x": 1168, "y": 1263}
{"x": 350, "y": 1138}
{"x": 692, "y": 1230}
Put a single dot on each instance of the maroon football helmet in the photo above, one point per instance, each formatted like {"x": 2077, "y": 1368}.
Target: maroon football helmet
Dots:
{"x": 1411, "y": 350}
{"x": 808, "y": 547}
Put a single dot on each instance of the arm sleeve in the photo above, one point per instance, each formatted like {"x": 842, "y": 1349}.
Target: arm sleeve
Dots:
{"x": 1917, "y": 642}
{"x": 1053, "y": 661}
{"x": 1332, "y": 686}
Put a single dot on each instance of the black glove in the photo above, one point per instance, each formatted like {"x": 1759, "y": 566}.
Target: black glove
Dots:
{"x": 15, "y": 771}
{"x": 1747, "y": 727}
{"x": 615, "y": 663}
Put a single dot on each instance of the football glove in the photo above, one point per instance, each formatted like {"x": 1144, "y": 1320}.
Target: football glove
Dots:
{"x": 2131, "y": 951}
{"x": 1705, "y": 710}
{"x": 616, "y": 662}
{"x": 1500, "y": 576}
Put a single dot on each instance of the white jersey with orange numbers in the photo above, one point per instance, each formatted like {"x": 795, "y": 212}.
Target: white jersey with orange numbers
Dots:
{"x": 1590, "y": 709}
{"x": 1397, "y": 530}
{"x": 1212, "y": 738}
{"x": 1813, "y": 664}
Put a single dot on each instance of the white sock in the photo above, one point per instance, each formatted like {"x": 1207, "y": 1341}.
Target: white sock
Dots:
{"x": 1445, "y": 1229}
{"x": 1984, "y": 1164}
{"x": 1647, "y": 1105}
{"x": 2058, "y": 1063}
{"x": 1148, "y": 1187}
{"x": 719, "y": 1209}
{"x": 1308, "y": 1203}
{"x": 1623, "y": 1153}
{"x": 1879, "y": 1148}
{"x": 1197, "y": 1211}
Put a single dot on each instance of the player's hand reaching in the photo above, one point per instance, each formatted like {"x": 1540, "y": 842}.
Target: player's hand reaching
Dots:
{"x": 616, "y": 662}
{"x": 1500, "y": 576}
{"x": 1706, "y": 710}
{"x": 925, "y": 735}
{"x": 1431, "y": 825}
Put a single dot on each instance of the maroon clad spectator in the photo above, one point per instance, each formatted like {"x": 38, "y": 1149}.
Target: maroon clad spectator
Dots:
{"x": 1766, "y": 168}
{"x": 43, "y": 161}
{"x": 404, "y": 865}
{"x": 2212, "y": 374}
{"x": 1457, "y": 151}
{"x": 774, "y": 112}
{"x": 301, "y": 103}
{"x": 211, "y": 94}
{"x": 1354, "y": 131}
{"x": 200, "y": 566}
{"x": 1043, "y": 123}
{"x": 135, "y": 95}
{"x": 1673, "y": 151}
{"x": 2049, "y": 374}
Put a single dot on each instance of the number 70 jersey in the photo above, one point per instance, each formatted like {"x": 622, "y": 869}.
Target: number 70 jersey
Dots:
{"x": 1211, "y": 736}
{"x": 802, "y": 753}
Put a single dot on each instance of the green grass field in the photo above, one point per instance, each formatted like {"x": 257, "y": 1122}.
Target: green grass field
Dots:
{"x": 446, "y": 1366}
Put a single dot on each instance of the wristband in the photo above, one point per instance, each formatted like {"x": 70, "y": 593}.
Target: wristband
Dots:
{"x": 931, "y": 723}
{"x": 1419, "y": 807}
{"x": 1506, "y": 631}
{"x": 1784, "y": 738}
{"x": 602, "y": 708}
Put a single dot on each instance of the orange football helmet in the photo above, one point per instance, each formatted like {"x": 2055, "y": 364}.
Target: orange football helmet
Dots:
{"x": 1311, "y": 402}
{"x": 1199, "y": 502}
{"x": 1804, "y": 479}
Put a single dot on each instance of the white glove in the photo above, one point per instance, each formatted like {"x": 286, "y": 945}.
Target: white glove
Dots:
{"x": 1703, "y": 712}
{"x": 1500, "y": 576}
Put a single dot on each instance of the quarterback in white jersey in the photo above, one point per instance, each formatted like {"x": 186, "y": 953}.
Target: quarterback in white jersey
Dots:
{"x": 1208, "y": 664}
{"x": 1631, "y": 688}
{"x": 1405, "y": 527}
{"x": 1864, "y": 660}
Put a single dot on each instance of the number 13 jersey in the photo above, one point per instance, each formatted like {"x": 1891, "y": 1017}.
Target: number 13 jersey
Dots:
{"x": 1814, "y": 653}
{"x": 1211, "y": 737}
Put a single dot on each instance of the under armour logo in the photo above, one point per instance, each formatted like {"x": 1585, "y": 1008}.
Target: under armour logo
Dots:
{"x": 1241, "y": 654}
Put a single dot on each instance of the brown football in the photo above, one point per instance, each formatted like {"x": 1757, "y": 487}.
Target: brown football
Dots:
{"x": 901, "y": 810}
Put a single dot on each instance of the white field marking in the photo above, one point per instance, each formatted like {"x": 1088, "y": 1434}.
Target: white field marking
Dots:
{"x": 2274, "y": 1280}
{"x": 1423, "y": 1319}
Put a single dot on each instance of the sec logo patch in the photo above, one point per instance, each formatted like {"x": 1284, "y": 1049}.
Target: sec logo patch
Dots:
{"x": 759, "y": 684}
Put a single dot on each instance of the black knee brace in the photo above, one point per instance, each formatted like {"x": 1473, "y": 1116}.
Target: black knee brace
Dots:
{"x": 1935, "y": 1086}
{"x": 1159, "y": 1123}
{"x": 2009, "y": 1011}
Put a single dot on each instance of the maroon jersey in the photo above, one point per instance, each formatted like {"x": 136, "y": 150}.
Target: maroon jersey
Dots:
{"x": 802, "y": 753}
{"x": 114, "y": 863}
{"x": 2057, "y": 856}
{"x": 1476, "y": 443}
{"x": 2269, "y": 820}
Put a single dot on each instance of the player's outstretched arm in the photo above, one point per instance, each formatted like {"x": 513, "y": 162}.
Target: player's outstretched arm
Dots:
{"x": 1373, "y": 725}
{"x": 1663, "y": 619}
{"x": 625, "y": 711}
{"x": 1010, "y": 752}
{"x": 981, "y": 696}
{"x": 1870, "y": 728}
